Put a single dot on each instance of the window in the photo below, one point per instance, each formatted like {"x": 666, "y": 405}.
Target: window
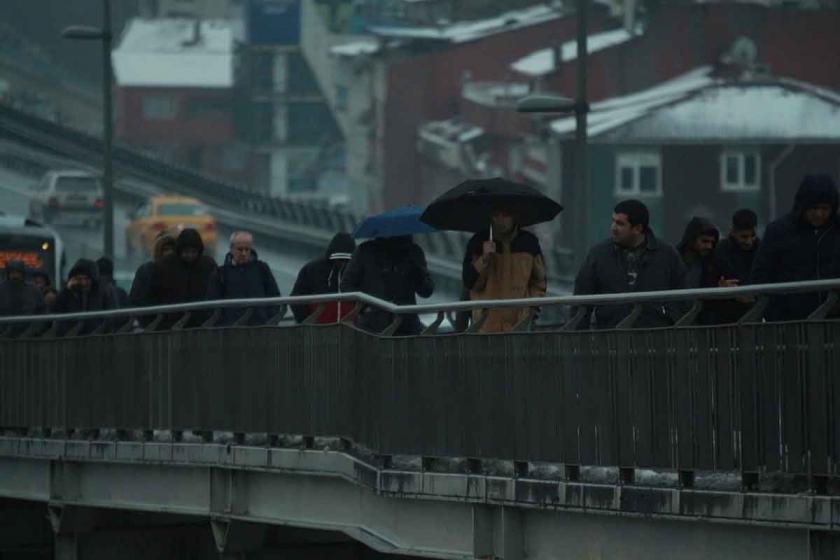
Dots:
{"x": 638, "y": 174}
{"x": 740, "y": 170}
{"x": 159, "y": 107}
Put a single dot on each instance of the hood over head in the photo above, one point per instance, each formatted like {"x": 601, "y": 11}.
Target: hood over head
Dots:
{"x": 105, "y": 266}
{"x": 87, "y": 268}
{"x": 341, "y": 247}
{"x": 813, "y": 190}
{"x": 696, "y": 227}
{"x": 163, "y": 240}
{"x": 189, "y": 238}
{"x": 40, "y": 273}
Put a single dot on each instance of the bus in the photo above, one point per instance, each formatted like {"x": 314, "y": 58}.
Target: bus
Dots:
{"x": 38, "y": 246}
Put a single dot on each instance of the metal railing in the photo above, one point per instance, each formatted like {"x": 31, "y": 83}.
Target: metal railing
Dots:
{"x": 124, "y": 320}
{"x": 751, "y": 398}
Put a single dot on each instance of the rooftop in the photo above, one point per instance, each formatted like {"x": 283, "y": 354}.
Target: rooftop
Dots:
{"x": 699, "y": 107}
{"x": 541, "y": 62}
{"x": 462, "y": 32}
{"x": 175, "y": 52}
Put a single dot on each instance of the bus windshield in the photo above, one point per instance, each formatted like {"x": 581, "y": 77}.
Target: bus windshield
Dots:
{"x": 36, "y": 250}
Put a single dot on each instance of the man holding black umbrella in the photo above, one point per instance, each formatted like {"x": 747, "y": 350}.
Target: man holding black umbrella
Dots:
{"x": 503, "y": 262}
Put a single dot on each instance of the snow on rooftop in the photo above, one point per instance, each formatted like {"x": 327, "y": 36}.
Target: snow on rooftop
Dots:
{"x": 461, "y": 32}
{"x": 610, "y": 113}
{"x": 699, "y": 107}
{"x": 356, "y": 48}
{"x": 169, "y": 53}
{"x": 743, "y": 112}
{"x": 494, "y": 94}
{"x": 541, "y": 62}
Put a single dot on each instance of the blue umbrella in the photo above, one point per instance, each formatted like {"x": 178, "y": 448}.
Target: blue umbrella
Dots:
{"x": 399, "y": 221}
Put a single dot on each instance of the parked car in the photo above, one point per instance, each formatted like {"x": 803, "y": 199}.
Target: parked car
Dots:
{"x": 69, "y": 194}
{"x": 168, "y": 213}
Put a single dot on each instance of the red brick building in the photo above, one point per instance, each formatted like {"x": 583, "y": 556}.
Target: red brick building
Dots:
{"x": 174, "y": 81}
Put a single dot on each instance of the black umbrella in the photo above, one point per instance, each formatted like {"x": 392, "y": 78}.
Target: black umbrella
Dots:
{"x": 469, "y": 206}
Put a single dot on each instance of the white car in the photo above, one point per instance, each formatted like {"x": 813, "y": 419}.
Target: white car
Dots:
{"x": 73, "y": 194}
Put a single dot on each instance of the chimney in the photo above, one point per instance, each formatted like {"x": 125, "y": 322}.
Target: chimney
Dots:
{"x": 195, "y": 37}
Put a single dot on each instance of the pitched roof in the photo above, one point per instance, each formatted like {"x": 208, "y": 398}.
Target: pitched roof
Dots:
{"x": 698, "y": 108}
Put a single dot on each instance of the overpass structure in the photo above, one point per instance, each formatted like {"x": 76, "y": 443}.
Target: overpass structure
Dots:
{"x": 284, "y": 222}
{"x": 683, "y": 442}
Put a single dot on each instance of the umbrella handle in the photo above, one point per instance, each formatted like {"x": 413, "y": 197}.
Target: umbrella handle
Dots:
{"x": 491, "y": 231}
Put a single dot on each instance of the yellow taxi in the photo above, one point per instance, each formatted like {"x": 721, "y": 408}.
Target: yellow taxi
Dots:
{"x": 169, "y": 213}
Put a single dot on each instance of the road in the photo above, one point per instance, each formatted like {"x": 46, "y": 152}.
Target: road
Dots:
{"x": 85, "y": 242}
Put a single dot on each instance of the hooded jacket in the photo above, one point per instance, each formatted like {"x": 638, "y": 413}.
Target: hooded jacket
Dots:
{"x": 516, "y": 270}
{"x": 323, "y": 276}
{"x": 19, "y": 297}
{"x": 176, "y": 281}
{"x": 74, "y": 301}
{"x": 141, "y": 287}
{"x": 793, "y": 250}
{"x": 393, "y": 269}
{"x": 701, "y": 271}
{"x": 240, "y": 281}
{"x": 605, "y": 272}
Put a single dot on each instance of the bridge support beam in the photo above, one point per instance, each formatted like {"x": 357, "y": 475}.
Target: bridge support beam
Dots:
{"x": 233, "y": 537}
{"x": 497, "y": 533}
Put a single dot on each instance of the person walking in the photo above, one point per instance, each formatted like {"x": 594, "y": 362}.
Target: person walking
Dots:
{"x": 17, "y": 296}
{"x": 632, "y": 260}
{"x": 323, "y": 276}
{"x": 503, "y": 262}
{"x": 243, "y": 276}
{"x": 393, "y": 269}
{"x": 802, "y": 245}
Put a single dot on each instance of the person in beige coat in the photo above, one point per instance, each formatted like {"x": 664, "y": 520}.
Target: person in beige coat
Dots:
{"x": 503, "y": 262}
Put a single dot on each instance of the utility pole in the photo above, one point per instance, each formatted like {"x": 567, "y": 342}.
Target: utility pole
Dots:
{"x": 105, "y": 35}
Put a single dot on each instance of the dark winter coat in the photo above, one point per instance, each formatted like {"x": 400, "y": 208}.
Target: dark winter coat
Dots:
{"x": 733, "y": 263}
{"x": 323, "y": 276}
{"x": 700, "y": 271}
{"x": 175, "y": 281}
{"x": 250, "y": 280}
{"x": 20, "y": 298}
{"x": 393, "y": 269}
{"x": 73, "y": 301}
{"x": 792, "y": 250}
{"x": 141, "y": 287}
{"x": 605, "y": 272}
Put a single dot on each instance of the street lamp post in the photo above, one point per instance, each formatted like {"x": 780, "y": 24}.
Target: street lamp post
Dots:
{"x": 549, "y": 103}
{"x": 103, "y": 34}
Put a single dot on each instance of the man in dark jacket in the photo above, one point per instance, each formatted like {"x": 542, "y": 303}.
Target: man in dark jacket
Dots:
{"x": 323, "y": 276}
{"x": 141, "y": 287}
{"x": 106, "y": 280}
{"x": 243, "y": 276}
{"x": 802, "y": 245}
{"x": 17, "y": 296}
{"x": 185, "y": 275}
{"x": 633, "y": 260}
{"x": 697, "y": 252}
{"x": 734, "y": 259}
{"x": 393, "y": 269}
{"x": 41, "y": 280}
{"x": 83, "y": 293}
